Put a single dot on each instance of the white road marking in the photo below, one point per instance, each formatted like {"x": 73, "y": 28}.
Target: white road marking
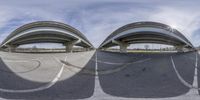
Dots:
{"x": 179, "y": 76}
{"x": 110, "y": 63}
{"x": 122, "y": 67}
{"x": 111, "y": 97}
{"x": 105, "y": 62}
{"x": 38, "y": 65}
{"x": 100, "y": 72}
{"x": 195, "y": 82}
{"x": 19, "y": 60}
{"x": 96, "y": 65}
{"x": 195, "y": 78}
{"x": 13, "y": 60}
{"x": 97, "y": 88}
{"x": 103, "y": 72}
{"x": 48, "y": 85}
{"x": 194, "y": 91}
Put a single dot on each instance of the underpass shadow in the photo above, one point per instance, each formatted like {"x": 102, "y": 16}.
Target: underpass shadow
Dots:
{"x": 79, "y": 86}
{"x": 155, "y": 78}
{"x": 9, "y": 80}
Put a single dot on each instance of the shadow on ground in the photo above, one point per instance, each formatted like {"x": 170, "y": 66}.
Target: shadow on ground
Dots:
{"x": 155, "y": 78}
{"x": 9, "y": 80}
{"x": 79, "y": 86}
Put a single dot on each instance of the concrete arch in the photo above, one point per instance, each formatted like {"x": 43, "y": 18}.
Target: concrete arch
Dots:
{"x": 46, "y": 31}
{"x": 146, "y": 32}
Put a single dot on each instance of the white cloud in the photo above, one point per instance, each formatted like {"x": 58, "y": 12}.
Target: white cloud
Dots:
{"x": 97, "y": 19}
{"x": 186, "y": 21}
{"x": 15, "y": 17}
{"x": 102, "y": 21}
{"x": 6, "y": 16}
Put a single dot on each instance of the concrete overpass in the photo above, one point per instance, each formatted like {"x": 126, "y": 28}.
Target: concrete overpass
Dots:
{"x": 48, "y": 32}
{"x": 146, "y": 32}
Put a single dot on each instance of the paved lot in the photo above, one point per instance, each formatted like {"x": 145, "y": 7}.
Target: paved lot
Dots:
{"x": 99, "y": 75}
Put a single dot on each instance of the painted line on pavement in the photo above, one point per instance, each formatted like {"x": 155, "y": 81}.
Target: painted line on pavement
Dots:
{"x": 105, "y": 62}
{"x": 96, "y": 65}
{"x": 32, "y": 69}
{"x": 179, "y": 76}
{"x": 101, "y": 72}
{"x": 48, "y": 85}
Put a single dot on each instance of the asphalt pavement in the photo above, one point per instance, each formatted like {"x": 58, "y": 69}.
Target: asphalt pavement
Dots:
{"x": 99, "y": 75}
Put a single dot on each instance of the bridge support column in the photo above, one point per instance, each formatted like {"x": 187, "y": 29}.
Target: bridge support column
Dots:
{"x": 123, "y": 46}
{"x": 69, "y": 46}
{"x": 11, "y": 48}
{"x": 179, "y": 48}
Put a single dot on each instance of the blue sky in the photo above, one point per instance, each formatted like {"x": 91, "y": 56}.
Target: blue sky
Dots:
{"x": 98, "y": 18}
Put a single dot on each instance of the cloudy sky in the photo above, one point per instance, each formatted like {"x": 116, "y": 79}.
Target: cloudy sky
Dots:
{"x": 97, "y": 19}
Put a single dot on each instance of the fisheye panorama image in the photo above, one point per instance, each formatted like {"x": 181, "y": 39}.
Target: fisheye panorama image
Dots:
{"x": 99, "y": 50}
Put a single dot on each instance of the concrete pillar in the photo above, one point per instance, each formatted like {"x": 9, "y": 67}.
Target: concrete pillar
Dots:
{"x": 11, "y": 48}
{"x": 179, "y": 48}
{"x": 69, "y": 46}
{"x": 123, "y": 46}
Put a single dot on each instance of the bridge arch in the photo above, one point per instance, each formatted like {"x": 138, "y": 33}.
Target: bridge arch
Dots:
{"x": 146, "y": 32}
{"x": 46, "y": 31}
